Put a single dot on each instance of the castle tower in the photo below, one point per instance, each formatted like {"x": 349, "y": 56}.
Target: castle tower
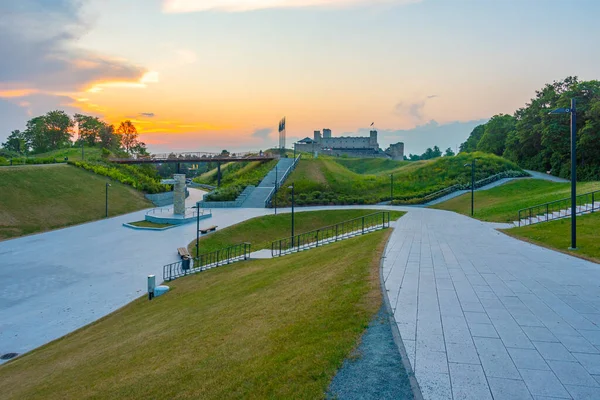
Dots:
{"x": 326, "y": 133}
{"x": 373, "y": 139}
{"x": 317, "y": 136}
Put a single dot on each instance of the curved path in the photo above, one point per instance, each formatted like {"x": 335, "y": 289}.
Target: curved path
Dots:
{"x": 481, "y": 315}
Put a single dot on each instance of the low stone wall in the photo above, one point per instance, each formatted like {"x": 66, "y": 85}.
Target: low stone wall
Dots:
{"x": 163, "y": 199}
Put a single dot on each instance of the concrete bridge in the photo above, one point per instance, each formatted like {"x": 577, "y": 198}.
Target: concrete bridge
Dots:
{"x": 196, "y": 157}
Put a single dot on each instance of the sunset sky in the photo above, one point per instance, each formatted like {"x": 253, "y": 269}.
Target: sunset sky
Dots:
{"x": 204, "y": 75}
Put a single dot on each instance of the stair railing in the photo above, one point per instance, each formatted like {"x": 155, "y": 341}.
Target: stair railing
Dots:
{"x": 557, "y": 209}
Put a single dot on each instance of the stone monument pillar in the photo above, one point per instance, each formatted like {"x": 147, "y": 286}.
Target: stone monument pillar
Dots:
{"x": 179, "y": 194}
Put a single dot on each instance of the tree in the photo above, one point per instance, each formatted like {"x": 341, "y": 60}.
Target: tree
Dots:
{"x": 436, "y": 152}
{"x": 89, "y": 128}
{"x": 470, "y": 145}
{"x": 495, "y": 133}
{"x": 108, "y": 138}
{"x": 129, "y": 136}
{"x": 15, "y": 142}
{"x": 449, "y": 152}
{"x": 48, "y": 132}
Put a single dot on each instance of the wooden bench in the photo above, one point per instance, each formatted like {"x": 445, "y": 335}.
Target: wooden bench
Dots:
{"x": 204, "y": 231}
{"x": 184, "y": 253}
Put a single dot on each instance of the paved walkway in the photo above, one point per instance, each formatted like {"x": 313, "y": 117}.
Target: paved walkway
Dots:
{"x": 483, "y": 315}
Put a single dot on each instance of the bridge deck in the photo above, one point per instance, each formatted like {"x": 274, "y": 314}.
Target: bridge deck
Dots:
{"x": 193, "y": 157}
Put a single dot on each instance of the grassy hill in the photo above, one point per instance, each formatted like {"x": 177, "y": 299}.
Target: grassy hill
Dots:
{"x": 328, "y": 180}
{"x": 40, "y": 198}
{"x": 276, "y": 328}
{"x": 557, "y": 235}
{"x": 73, "y": 154}
{"x": 263, "y": 230}
{"x": 502, "y": 203}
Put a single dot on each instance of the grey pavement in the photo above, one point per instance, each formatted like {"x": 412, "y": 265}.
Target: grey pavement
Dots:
{"x": 546, "y": 177}
{"x": 259, "y": 195}
{"x": 483, "y": 315}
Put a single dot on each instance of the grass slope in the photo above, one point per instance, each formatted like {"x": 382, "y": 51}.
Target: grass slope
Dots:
{"x": 40, "y": 198}
{"x": 502, "y": 203}
{"x": 328, "y": 180}
{"x": 276, "y": 328}
{"x": 261, "y": 231}
{"x": 557, "y": 235}
{"x": 74, "y": 153}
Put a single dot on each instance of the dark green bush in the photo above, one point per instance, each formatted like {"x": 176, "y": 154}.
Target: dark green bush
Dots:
{"x": 136, "y": 177}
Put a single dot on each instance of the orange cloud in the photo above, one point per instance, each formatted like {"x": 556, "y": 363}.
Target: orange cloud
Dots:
{"x": 17, "y": 92}
{"x": 141, "y": 83}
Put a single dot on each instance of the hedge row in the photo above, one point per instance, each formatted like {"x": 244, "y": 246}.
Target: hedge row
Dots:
{"x": 136, "y": 177}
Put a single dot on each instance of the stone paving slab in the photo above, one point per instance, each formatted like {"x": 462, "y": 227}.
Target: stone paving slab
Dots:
{"x": 483, "y": 315}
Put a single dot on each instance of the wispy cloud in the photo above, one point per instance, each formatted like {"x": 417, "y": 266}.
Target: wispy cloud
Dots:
{"x": 414, "y": 109}
{"x": 185, "y": 6}
{"x": 262, "y": 133}
{"x": 147, "y": 114}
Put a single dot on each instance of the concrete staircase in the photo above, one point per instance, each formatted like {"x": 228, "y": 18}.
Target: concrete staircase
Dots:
{"x": 260, "y": 194}
{"x": 563, "y": 213}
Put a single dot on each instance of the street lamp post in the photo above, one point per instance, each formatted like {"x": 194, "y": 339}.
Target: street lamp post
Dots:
{"x": 292, "y": 187}
{"x": 472, "y": 165}
{"x": 197, "y": 207}
{"x": 573, "y": 112}
{"x": 294, "y": 150}
{"x": 276, "y": 187}
{"x": 82, "y": 158}
{"x": 391, "y": 188}
{"x": 107, "y": 186}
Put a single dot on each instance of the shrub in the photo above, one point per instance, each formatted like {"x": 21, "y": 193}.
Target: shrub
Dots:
{"x": 133, "y": 176}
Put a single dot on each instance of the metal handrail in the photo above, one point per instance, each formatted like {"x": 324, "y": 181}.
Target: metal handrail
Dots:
{"x": 548, "y": 211}
{"x": 330, "y": 234}
{"x": 203, "y": 262}
{"x": 282, "y": 179}
{"x": 465, "y": 186}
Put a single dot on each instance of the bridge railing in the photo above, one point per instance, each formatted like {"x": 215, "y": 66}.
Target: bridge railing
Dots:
{"x": 194, "y": 156}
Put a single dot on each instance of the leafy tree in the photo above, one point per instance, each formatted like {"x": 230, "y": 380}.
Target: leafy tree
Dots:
{"x": 129, "y": 136}
{"x": 471, "y": 143}
{"x": 15, "y": 142}
{"x": 495, "y": 134}
{"x": 436, "y": 152}
{"x": 449, "y": 152}
{"x": 108, "y": 138}
{"x": 48, "y": 132}
{"x": 89, "y": 128}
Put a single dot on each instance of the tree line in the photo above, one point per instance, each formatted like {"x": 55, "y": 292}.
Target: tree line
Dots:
{"x": 56, "y": 130}
{"x": 536, "y": 140}
{"x": 430, "y": 154}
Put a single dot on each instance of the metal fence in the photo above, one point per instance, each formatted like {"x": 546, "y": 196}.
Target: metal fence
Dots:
{"x": 228, "y": 255}
{"x": 586, "y": 203}
{"x": 331, "y": 234}
{"x": 467, "y": 186}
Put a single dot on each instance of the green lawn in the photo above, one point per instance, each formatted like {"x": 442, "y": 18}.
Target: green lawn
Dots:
{"x": 329, "y": 180}
{"x": 502, "y": 203}
{"x": 73, "y": 153}
{"x": 557, "y": 235}
{"x": 276, "y": 328}
{"x": 261, "y": 231}
{"x": 45, "y": 197}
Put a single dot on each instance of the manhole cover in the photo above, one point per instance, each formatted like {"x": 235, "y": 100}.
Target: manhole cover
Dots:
{"x": 8, "y": 356}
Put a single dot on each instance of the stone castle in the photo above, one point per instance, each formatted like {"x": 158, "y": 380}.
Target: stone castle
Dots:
{"x": 351, "y": 146}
